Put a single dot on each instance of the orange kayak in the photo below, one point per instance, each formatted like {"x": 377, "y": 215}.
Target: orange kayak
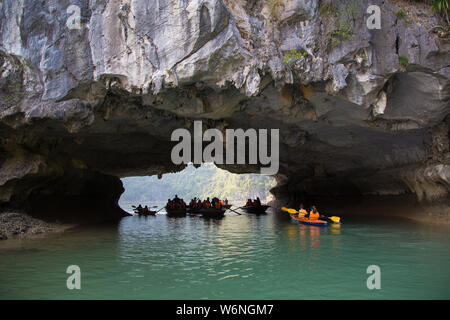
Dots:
{"x": 311, "y": 222}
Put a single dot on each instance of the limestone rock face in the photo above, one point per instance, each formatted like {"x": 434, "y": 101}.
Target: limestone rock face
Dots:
{"x": 367, "y": 109}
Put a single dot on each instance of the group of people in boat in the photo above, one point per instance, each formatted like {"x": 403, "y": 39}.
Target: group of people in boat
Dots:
{"x": 214, "y": 203}
{"x": 143, "y": 210}
{"x": 313, "y": 214}
{"x": 253, "y": 203}
{"x": 176, "y": 203}
{"x": 196, "y": 203}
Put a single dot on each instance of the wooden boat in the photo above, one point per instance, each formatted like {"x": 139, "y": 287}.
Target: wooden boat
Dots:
{"x": 144, "y": 213}
{"x": 193, "y": 210}
{"x": 176, "y": 212}
{"x": 213, "y": 213}
{"x": 226, "y": 206}
{"x": 149, "y": 213}
{"x": 256, "y": 209}
{"x": 307, "y": 221}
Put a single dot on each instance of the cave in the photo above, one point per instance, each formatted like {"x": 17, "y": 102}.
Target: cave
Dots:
{"x": 80, "y": 109}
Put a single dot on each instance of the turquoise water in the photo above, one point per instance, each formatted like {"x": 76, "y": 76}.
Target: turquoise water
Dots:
{"x": 239, "y": 257}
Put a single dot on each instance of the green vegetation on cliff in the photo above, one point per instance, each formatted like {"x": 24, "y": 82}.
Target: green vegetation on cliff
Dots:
{"x": 206, "y": 181}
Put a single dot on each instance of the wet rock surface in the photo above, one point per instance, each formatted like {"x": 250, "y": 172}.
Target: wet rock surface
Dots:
{"x": 13, "y": 225}
{"x": 360, "y": 112}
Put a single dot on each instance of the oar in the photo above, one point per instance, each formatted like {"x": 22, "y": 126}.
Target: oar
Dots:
{"x": 289, "y": 210}
{"x": 236, "y": 211}
{"x": 134, "y": 207}
{"x": 159, "y": 210}
{"x": 333, "y": 218}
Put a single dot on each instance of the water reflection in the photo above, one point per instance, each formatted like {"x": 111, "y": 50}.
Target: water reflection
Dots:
{"x": 238, "y": 257}
{"x": 335, "y": 229}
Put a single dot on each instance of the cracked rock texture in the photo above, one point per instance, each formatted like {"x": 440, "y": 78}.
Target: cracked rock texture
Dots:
{"x": 80, "y": 108}
{"x": 13, "y": 225}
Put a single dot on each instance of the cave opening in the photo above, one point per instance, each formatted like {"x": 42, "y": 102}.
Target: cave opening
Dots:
{"x": 206, "y": 180}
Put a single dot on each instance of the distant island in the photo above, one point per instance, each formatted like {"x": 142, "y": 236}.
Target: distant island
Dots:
{"x": 206, "y": 181}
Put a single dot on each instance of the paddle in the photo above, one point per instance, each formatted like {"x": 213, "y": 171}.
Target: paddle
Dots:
{"x": 289, "y": 210}
{"x": 134, "y": 207}
{"x": 236, "y": 211}
{"x": 159, "y": 210}
{"x": 333, "y": 218}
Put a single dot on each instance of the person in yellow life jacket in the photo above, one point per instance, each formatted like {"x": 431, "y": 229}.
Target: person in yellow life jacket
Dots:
{"x": 302, "y": 211}
{"x": 313, "y": 214}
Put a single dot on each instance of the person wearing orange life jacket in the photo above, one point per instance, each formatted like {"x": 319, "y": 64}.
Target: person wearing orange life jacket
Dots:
{"x": 207, "y": 203}
{"x": 313, "y": 214}
{"x": 217, "y": 205}
{"x": 302, "y": 211}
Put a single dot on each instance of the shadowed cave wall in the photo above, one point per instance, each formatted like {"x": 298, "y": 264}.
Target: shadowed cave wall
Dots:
{"x": 81, "y": 108}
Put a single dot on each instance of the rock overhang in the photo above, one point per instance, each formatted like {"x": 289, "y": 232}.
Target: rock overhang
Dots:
{"x": 104, "y": 100}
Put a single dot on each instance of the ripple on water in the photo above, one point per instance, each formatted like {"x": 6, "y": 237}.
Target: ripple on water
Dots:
{"x": 239, "y": 257}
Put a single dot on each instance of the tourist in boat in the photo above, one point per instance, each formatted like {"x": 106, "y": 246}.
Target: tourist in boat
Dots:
{"x": 199, "y": 204}
{"x": 170, "y": 204}
{"x": 313, "y": 214}
{"x": 302, "y": 211}
{"x": 249, "y": 203}
{"x": 226, "y": 201}
{"x": 257, "y": 202}
{"x": 195, "y": 203}
{"x": 207, "y": 203}
{"x": 217, "y": 205}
